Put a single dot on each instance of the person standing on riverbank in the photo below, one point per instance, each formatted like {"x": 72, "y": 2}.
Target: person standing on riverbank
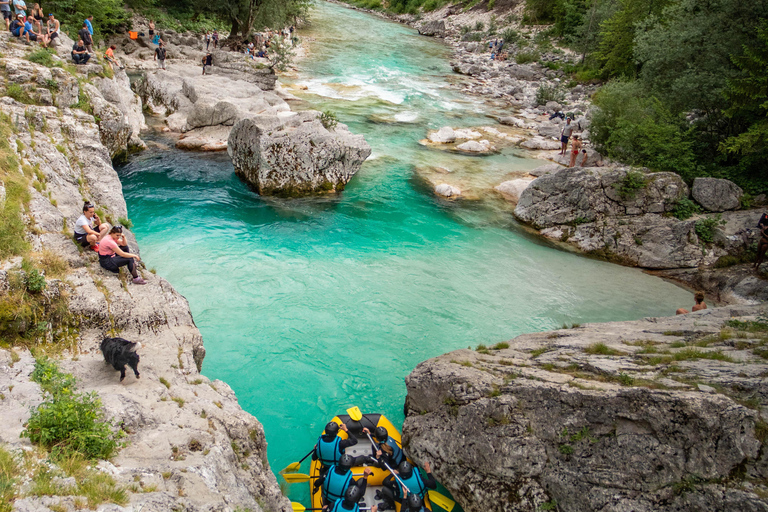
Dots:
{"x": 215, "y": 38}
{"x": 85, "y": 38}
{"x": 5, "y": 8}
{"x": 565, "y": 134}
{"x": 575, "y": 149}
{"x": 151, "y": 27}
{"x": 160, "y": 55}
{"x": 207, "y": 61}
{"x": 89, "y": 25}
{"x": 20, "y": 8}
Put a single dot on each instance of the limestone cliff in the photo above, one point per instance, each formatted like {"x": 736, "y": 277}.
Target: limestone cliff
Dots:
{"x": 189, "y": 445}
{"x": 660, "y": 414}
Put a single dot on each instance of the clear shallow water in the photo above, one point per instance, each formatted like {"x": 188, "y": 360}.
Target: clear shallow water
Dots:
{"x": 310, "y": 306}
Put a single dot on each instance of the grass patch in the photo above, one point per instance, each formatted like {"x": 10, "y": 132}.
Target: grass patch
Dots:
{"x": 748, "y": 326}
{"x": 9, "y": 474}
{"x": 165, "y": 382}
{"x": 179, "y": 401}
{"x": 689, "y": 354}
{"x": 633, "y": 182}
{"x": 537, "y": 352}
{"x": 603, "y": 350}
{"x": 68, "y": 422}
{"x": 500, "y": 346}
{"x": 18, "y": 93}
{"x": 42, "y": 56}
{"x": 482, "y": 349}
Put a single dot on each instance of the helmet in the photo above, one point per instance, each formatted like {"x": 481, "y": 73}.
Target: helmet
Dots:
{"x": 414, "y": 502}
{"x": 405, "y": 469}
{"x": 381, "y": 434}
{"x": 346, "y": 462}
{"x": 332, "y": 428}
{"x": 353, "y": 494}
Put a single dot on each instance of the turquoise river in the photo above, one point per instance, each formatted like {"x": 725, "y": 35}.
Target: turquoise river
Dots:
{"x": 310, "y": 306}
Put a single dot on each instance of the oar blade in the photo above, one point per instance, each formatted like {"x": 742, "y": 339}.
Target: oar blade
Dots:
{"x": 294, "y": 478}
{"x": 297, "y": 507}
{"x": 441, "y": 501}
{"x": 354, "y": 413}
{"x": 292, "y": 467}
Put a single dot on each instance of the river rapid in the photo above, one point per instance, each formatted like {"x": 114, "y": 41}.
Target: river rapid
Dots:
{"x": 310, "y": 306}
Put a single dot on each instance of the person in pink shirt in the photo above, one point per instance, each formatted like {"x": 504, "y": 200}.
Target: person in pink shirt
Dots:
{"x": 113, "y": 254}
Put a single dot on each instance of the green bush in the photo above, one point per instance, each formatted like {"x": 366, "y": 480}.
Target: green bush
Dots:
{"x": 705, "y": 228}
{"x": 125, "y": 222}
{"x": 43, "y": 56}
{"x": 329, "y": 120}
{"x": 472, "y": 36}
{"x": 632, "y": 182}
{"x": 9, "y": 475}
{"x": 510, "y": 36}
{"x": 66, "y": 421}
{"x": 526, "y": 56}
{"x": 479, "y": 26}
{"x": 18, "y": 93}
{"x": 35, "y": 281}
{"x": 547, "y": 93}
{"x": 685, "y": 209}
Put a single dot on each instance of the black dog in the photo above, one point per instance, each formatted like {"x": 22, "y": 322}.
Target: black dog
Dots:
{"x": 120, "y": 352}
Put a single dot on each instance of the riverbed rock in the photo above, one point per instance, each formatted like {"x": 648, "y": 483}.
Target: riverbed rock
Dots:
{"x": 433, "y": 28}
{"x": 543, "y": 419}
{"x": 513, "y": 189}
{"x": 446, "y": 190}
{"x": 443, "y": 136}
{"x": 473, "y": 146}
{"x": 297, "y": 156}
{"x": 717, "y": 195}
{"x": 540, "y": 143}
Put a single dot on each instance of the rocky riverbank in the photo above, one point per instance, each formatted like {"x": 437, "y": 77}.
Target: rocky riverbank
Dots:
{"x": 660, "y": 414}
{"x": 188, "y": 445}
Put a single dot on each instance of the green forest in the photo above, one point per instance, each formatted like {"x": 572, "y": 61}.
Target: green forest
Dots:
{"x": 239, "y": 17}
{"x": 686, "y": 88}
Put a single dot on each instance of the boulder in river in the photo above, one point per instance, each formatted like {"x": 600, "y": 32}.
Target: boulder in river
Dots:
{"x": 295, "y": 157}
{"x": 433, "y": 28}
{"x": 446, "y": 190}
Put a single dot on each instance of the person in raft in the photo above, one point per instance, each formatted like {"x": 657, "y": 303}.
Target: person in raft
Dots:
{"x": 411, "y": 478}
{"x": 89, "y": 230}
{"x": 113, "y": 254}
{"x": 700, "y": 304}
{"x": 330, "y": 447}
{"x": 412, "y": 503}
{"x": 389, "y": 450}
{"x": 350, "y": 501}
{"x": 338, "y": 479}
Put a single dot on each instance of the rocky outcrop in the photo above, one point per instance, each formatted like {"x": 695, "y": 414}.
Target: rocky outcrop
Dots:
{"x": 433, "y": 28}
{"x": 661, "y": 414}
{"x": 716, "y": 195}
{"x": 189, "y": 445}
{"x": 296, "y": 156}
{"x": 625, "y": 216}
{"x": 117, "y": 92}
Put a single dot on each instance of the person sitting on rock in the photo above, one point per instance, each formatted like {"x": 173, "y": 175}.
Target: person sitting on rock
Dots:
{"x": 412, "y": 480}
{"x": 389, "y": 450}
{"x": 350, "y": 501}
{"x": 113, "y": 254}
{"x": 338, "y": 479}
{"x": 85, "y": 234}
{"x": 330, "y": 447}
{"x": 19, "y": 29}
{"x": 700, "y": 304}
{"x": 80, "y": 53}
{"x": 109, "y": 56}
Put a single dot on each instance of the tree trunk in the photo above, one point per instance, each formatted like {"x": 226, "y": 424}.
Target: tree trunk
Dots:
{"x": 235, "y": 27}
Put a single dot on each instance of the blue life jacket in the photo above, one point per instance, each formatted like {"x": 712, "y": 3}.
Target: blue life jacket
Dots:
{"x": 338, "y": 508}
{"x": 328, "y": 453}
{"x": 414, "y": 483}
{"x": 397, "y": 453}
{"x": 335, "y": 485}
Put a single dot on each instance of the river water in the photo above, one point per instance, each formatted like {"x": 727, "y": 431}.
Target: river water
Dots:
{"x": 310, "y": 306}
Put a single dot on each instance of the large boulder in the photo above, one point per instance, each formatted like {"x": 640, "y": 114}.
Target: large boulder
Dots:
{"x": 117, "y": 91}
{"x": 114, "y": 130}
{"x": 512, "y": 190}
{"x": 717, "y": 195}
{"x": 295, "y": 157}
{"x": 433, "y": 28}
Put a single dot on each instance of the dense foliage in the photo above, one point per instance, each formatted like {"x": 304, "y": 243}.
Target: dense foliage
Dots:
{"x": 67, "y": 421}
{"x": 109, "y": 16}
{"x": 689, "y": 92}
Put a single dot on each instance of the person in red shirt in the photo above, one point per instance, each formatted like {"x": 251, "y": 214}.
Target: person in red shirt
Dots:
{"x": 113, "y": 254}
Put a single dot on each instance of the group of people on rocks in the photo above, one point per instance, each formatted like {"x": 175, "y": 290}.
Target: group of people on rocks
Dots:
{"x": 495, "y": 48}
{"x": 341, "y": 492}
{"x": 108, "y": 241}
{"x": 29, "y": 26}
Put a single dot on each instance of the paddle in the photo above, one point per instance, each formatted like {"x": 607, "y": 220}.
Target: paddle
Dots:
{"x": 295, "y": 478}
{"x": 354, "y": 413}
{"x": 438, "y": 499}
{"x": 298, "y": 507}
{"x": 294, "y": 466}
